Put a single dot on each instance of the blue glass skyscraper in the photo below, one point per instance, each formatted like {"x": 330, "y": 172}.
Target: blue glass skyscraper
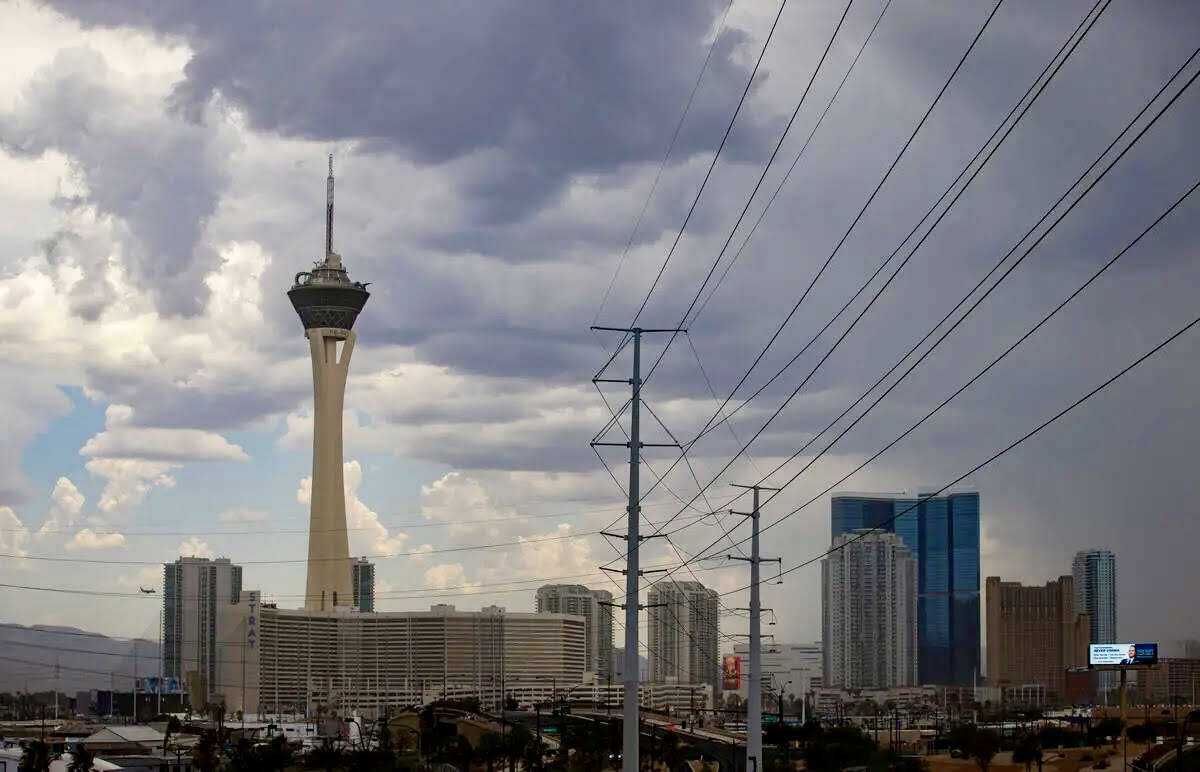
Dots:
{"x": 943, "y": 534}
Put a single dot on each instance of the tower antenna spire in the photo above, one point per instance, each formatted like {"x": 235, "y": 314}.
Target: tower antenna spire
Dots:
{"x": 329, "y": 209}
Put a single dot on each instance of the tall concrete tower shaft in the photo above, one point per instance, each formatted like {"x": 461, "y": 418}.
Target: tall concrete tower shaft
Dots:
{"x": 328, "y": 303}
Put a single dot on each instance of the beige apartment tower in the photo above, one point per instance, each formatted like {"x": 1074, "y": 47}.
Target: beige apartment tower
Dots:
{"x": 328, "y": 304}
{"x": 1034, "y": 634}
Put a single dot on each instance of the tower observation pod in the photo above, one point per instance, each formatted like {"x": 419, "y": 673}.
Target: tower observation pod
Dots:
{"x": 328, "y": 302}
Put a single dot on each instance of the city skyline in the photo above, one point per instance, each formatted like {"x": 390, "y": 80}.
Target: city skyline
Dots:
{"x": 160, "y": 401}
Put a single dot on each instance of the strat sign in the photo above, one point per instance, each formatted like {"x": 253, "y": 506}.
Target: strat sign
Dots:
{"x": 252, "y": 620}
{"x": 1122, "y": 654}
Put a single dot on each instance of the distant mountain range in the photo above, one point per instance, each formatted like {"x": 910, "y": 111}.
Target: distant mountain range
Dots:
{"x": 29, "y": 656}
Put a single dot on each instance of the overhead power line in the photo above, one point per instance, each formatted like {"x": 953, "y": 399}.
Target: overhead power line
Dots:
{"x": 704, "y": 183}
{"x": 1064, "y": 51}
{"x": 281, "y": 561}
{"x": 1003, "y": 451}
{"x": 1012, "y": 347}
{"x": 887, "y": 174}
{"x": 754, "y": 192}
{"x": 663, "y": 164}
{"x": 1012, "y": 267}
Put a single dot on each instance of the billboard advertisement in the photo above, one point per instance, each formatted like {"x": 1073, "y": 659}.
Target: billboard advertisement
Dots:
{"x": 1122, "y": 654}
{"x": 731, "y": 673}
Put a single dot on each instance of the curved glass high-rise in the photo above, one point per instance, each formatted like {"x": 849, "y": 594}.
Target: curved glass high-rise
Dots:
{"x": 1095, "y": 574}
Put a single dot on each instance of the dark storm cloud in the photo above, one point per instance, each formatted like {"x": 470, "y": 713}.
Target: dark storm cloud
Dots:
{"x": 556, "y": 88}
{"x": 512, "y": 100}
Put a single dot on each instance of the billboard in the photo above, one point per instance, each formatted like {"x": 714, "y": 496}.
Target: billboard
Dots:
{"x": 731, "y": 673}
{"x": 1122, "y": 654}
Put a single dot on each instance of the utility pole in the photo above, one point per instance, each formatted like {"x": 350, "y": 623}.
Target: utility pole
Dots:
{"x": 629, "y": 749}
{"x": 754, "y": 751}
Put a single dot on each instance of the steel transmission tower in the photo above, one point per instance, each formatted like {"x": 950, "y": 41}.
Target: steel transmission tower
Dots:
{"x": 754, "y": 751}
{"x": 631, "y": 722}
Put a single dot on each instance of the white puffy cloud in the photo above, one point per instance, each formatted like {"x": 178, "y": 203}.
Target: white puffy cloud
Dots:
{"x": 554, "y": 553}
{"x": 455, "y": 497}
{"x": 87, "y": 539}
{"x": 14, "y": 536}
{"x": 120, "y": 439}
{"x": 446, "y": 575}
{"x": 194, "y": 547}
{"x": 166, "y": 444}
{"x": 66, "y": 502}
{"x": 146, "y": 576}
{"x": 368, "y": 536}
{"x": 244, "y": 516}
{"x": 129, "y": 481}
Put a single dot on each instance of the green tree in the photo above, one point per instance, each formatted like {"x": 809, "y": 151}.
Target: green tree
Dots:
{"x": 243, "y": 757}
{"x": 984, "y": 746}
{"x": 81, "y": 759}
{"x": 1108, "y": 728}
{"x": 837, "y": 748}
{"x": 459, "y": 751}
{"x": 36, "y": 757}
{"x": 206, "y": 752}
{"x": 173, "y": 727}
{"x": 328, "y": 757}
{"x": 491, "y": 749}
{"x": 277, "y": 754}
{"x": 516, "y": 745}
{"x": 673, "y": 750}
{"x": 376, "y": 760}
{"x": 1028, "y": 751}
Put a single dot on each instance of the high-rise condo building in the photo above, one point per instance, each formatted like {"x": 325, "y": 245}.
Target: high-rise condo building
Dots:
{"x": 580, "y": 601}
{"x": 1095, "y": 574}
{"x": 328, "y": 303}
{"x": 1034, "y": 634}
{"x": 943, "y": 534}
{"x": 683, "y": 634}
{"x": 194, "y": 591}
{"x": 869, "y": 612}
{"x": 363, "y": 579}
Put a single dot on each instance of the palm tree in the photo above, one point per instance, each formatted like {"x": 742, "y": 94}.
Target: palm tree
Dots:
{"x": 516, "y": 745}
{"x": 327, "y": 757}
{"x": 461, "y": 752}
{"x": 36, "y": 757}
{"x": 1028, "y": 751}
{"x": 205, "y": 754}
{"x": 173, "y": 725}
{"x": 491, "y": 749}
{"x": 81, "y": 759}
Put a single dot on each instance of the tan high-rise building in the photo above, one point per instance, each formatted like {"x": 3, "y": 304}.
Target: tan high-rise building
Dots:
{"x": 1034, "y": 634}
{"x": 595, "y": 606}
{"x": 684, "y": 625}
{"x": 328, "y": 304}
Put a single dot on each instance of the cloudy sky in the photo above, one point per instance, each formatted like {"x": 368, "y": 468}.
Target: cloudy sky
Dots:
{"x": 162, "y": 178}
